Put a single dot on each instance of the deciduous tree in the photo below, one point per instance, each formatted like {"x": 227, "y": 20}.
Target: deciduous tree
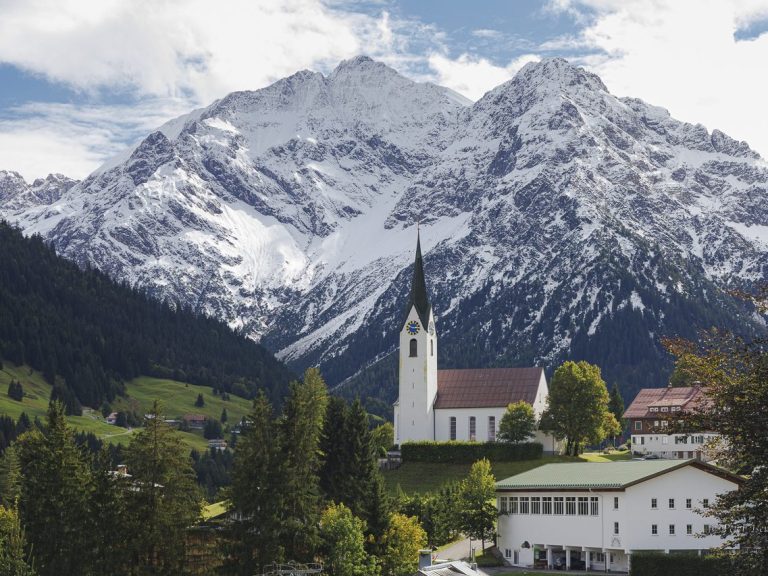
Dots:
{"x": 518, "y": 423}
{"x": 402, "y": 541}
{"x": 477, "y": 511}
{"x": 343, "y": 544}
{"x": 735, "y": 372}
{"x": 576, "y": 406}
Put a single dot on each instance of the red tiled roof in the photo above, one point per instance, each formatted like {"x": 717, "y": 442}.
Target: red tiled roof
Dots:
{"x": 486, "y": 387}
{"x": 681, "y": 396}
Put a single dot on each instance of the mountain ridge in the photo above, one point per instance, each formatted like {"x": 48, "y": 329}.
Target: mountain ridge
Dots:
{"x": 552, "y": 213}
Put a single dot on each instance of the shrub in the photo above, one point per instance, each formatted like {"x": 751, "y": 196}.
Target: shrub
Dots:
{"x": 658, "y": 564}
{"x": 469, "y": 452}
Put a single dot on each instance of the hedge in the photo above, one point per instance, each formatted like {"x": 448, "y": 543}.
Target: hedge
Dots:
{"x": 468, "y": 452}
{"x": 658, "y": 564}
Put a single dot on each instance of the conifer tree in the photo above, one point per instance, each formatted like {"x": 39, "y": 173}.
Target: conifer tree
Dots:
{"x": 334, "y": 468}
{"x": 224, "y": 416}
{"x": 257, "y": 479}
{"x": 165, "y": 499}
{"x": 55, "y": 498}
{"x": 14, "y": 560}
{"x": 301, "y": 427}
{"x": 110, "y": 515}
{"x": 10, "y": 477}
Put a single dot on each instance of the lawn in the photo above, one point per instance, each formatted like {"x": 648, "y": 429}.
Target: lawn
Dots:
{"x": 426, "y": 476}
{"x": 177, "y": 398}
{"x": 612, "y": 457}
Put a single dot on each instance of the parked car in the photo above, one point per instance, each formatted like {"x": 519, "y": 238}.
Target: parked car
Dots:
{"x": 652, "y": 457}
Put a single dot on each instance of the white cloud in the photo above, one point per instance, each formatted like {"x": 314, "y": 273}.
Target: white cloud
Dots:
{"x": 181, "y": 47}
{"x": 37, "y": 139}
{"x": 486, "y": 33}
{"x": 683, "y": 55}
{"x": 473, "y": 76}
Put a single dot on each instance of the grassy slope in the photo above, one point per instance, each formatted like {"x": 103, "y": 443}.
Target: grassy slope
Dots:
{"x": 177, "y": 399}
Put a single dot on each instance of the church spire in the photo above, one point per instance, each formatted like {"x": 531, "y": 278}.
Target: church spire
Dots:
{"x": 418, "y": 295}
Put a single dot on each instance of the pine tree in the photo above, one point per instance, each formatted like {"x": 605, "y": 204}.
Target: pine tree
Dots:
{"x": 55, "y": 498}
{"x": 616, "y": 407}
{"x": 334, "y": 468}
{"x": 110, "y": 515}
{"x": 13, "y": 558}
{"x": 257, "y": 480}
{"x": 200, "y": 402}
{"x": 224, "y": 416}
{"x": 165, "y": 500}
{"x": 10, "y": 477}
{"x": 301, "y": 427}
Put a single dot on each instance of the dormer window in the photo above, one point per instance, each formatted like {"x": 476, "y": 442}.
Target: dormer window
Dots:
{"x": 654, "y": 409}
{"x": 414, "y": 348}
{"x": 665, "y": 409}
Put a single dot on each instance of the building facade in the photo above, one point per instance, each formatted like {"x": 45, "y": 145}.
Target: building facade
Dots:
{"x": 652, "y": 417}
{"x": 454, "y": 404}
{"x": 594, "y": 516}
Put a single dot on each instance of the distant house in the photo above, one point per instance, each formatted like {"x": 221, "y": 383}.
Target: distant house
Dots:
{"x": 652, "y": 415}
{"x": 112, "y": 418}
{"x": 217, "y": 444}
{"x": 594, "y": 516}
{"x": 194, "y": 421}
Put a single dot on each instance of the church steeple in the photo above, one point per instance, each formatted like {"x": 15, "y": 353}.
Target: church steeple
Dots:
{"x": 419, "y": 297}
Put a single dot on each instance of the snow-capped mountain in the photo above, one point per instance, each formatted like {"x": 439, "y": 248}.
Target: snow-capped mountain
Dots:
{"x": 557, "y": 220}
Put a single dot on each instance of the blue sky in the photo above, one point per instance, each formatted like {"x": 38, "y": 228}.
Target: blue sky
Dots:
{"x": 82, "y": 79}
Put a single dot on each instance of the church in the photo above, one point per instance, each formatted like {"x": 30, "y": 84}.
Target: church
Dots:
{"x": 454, "y": 404}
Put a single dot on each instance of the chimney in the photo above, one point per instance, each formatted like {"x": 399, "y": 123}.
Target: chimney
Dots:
{"x": 425, "y": 558}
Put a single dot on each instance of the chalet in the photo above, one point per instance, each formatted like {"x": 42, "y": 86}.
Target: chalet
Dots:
{"x": 652, "y": 416}
{"x": 454, "y": 404}
{"x": 594, "y": 516}
{"x": 112, "y": 418}
{"x": 194, "y": 421}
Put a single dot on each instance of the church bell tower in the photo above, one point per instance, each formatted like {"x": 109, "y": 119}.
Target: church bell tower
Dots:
{"x": 414, "y": 410}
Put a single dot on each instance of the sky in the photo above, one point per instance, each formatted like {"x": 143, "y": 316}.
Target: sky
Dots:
{"x": 82, "y": 79}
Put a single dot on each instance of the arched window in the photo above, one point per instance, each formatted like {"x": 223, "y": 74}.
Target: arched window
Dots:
{"x": 431, "y": 347}
{"x": 414, "y": 348}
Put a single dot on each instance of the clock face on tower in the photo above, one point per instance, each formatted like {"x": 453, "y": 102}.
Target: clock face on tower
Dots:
{"x": 412, "y": 327}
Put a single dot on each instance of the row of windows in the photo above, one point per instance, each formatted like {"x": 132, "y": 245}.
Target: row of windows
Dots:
{"x": 413, "y": 351}
{"x": 672, "y": 530}
{"x": 473, "y": 428}
{"x": 671, "y": 503}
{"x": 568, "y": 505}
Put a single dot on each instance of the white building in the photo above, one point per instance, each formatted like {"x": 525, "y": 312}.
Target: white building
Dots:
{"x": 652, "y": 416}
{"x": 595, "y": 515}
{"x": 454, "y": 404}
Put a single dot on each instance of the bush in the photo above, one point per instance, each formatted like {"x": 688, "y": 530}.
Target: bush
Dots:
{"x": 657, "y": 564}
{"x": 469, "y": 452}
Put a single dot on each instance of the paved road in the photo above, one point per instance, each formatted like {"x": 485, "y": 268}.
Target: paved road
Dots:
{"x": 460, "y": 550}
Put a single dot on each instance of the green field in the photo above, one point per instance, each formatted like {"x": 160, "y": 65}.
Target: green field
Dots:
{"x": 427, "y": 476}
{"x": 177, "y": 399}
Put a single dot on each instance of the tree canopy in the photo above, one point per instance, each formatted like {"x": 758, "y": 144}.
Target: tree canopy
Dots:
{"x": 518, "y": 423}
{"x": 577, "y": 406}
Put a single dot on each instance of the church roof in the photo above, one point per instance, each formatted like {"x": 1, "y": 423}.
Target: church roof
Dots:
{"x": 486, "y": 387}
{"x": 418, "y": 295}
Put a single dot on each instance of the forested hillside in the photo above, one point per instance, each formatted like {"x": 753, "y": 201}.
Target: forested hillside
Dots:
{"x": 88, "y": 334}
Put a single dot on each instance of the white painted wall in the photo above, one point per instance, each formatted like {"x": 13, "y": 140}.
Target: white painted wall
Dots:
{"x": 414, "y": 413}
{"x": 670, "y": 445}
{"x": 634, "y": 516}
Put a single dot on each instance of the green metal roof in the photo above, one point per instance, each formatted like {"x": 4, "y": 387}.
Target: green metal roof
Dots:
{"x": 579, "y": 475}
